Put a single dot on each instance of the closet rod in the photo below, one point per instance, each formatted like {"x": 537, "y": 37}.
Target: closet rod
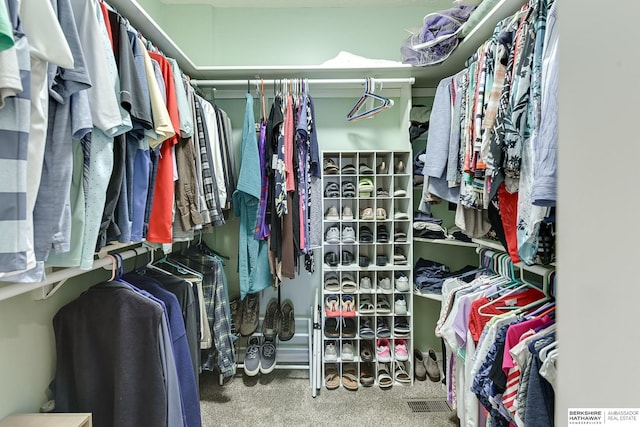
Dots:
{"x": 253, "y": 82}
{"x": 59, "y": 277}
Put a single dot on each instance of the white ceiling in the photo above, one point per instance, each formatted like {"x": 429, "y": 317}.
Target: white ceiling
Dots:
{"x": 427, "y": 4}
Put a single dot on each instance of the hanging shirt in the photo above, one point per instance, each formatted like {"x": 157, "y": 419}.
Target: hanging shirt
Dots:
{"x": 47, "y": 43}
{"x": 161, "y": 216}
{"x": 69, "y": 128}
{"x": 178, "y": 333}
{"x": 262, "y": 230}
{"x": 253, "y": 262}
{"x": 15, "y": 122}
{"x": 142, "y": 398}
{"x": 289, "y": 152}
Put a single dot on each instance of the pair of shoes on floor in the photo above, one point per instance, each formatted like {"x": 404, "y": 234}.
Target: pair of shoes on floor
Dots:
{"x": 248, "y": 318}
{"x": 279, "y": 320}
{"x": 428, "y": 367}
{"x": 260, "y": 357}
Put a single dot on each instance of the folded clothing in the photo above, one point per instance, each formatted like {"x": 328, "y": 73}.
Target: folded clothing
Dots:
{"x": 429, "y": 276}
{"x": 418, "y": 162}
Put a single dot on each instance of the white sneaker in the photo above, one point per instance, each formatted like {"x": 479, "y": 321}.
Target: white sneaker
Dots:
{"x": 347, "y": 351}
{"x": 365, "y": 284}
{"x": 347, "y": 213}
{"x": 332, "y": 235}
{"x": 400, "y": 306}
{"x": 348, "y": 235}
{"x": 332, "y": 214}
{"x": 385, "y": 285}
{"x": 402, "y": 283}
{"x": 330, "y": 352}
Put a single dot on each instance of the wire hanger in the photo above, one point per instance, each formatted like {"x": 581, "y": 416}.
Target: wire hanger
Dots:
{"x": 383, "y": 103}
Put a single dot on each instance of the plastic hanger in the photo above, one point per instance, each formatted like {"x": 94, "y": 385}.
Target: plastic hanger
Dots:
{"x": 512, "y": 292}
{"x": 385, "y": 103}
{"x": 180, "y": 268}
{"x": 543, "y": 353}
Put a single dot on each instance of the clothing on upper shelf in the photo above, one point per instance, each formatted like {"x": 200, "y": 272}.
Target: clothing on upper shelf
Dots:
{"x": 491, "y": 126}
{"x": 116, "y": 141}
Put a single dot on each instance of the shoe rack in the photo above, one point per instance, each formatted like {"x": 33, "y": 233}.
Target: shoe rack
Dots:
{"x": 367, "y": 267}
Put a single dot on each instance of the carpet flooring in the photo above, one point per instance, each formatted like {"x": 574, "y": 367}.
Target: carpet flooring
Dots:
{"x": 283, "y": 398}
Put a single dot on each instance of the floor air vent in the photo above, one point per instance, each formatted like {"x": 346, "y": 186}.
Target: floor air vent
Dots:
{"x": 429, "y": 406}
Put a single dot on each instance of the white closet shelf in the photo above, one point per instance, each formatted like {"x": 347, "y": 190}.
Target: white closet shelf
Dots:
{"x": 427, "y": 76}
{"x": 491, "y": 244}
{"x": 427, "y": 295}
{"x": 58, "y": 277}
{"x": 451, "y": 242}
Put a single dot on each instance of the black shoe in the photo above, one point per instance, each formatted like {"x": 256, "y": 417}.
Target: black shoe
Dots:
{"x": 365, "y": 235}
{"x": 331, "y": 327}
{"x": 347, "y": 258}
{"x": 364, "y": 261}
{"x": 382, "y": 234}
{"x": 348, "y": 327}
{"x": 331, "y": 259}
{"x": 381, "y": 260}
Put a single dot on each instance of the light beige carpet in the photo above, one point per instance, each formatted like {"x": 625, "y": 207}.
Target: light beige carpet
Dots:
{"x": 283, "y": 398}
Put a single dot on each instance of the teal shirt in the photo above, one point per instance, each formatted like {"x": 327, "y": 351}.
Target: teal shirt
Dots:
{"x": 6, "y": 31}
{"x": 253, "y": 261}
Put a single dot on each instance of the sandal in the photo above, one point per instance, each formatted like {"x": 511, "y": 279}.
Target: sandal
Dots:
{"x": 384, "y": 378}
{"x": 382, "y": 193}
{"x": 331, "y": 377}
{"x": 400, "y": 373}
{"x": 330, "y": 167}
{"x": 366, "y": 374}
{"x": 349, "y": 379}
{"x": 383, "y": 306}
{"x": 348, "y": 169}
{"x": 348, "y": 283}
{"x": 366, "y": 306}
{"x": 366, "y": 351}
{"x": 348, "y": 189}
{"x": 365, "y": 186}
{"x": 383, "y": 234}
{"x": 332, "y": 190}
{"x": 331, "y": 282}
{"x": 383, "y": 331}
{"x": 365, "y": 329}
{"x": 365, "y": 169}
{"x": 366, "y": 235}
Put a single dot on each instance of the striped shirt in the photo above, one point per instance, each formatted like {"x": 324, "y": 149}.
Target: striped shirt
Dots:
{"x": 15, "y": 119}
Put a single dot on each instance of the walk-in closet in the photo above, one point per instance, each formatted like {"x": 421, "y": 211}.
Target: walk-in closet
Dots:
{"x": 223, "y": 212}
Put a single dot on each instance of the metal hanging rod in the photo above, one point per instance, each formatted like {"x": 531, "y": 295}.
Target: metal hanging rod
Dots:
{"x": 397, "y": 81}
{"x": 55, "y": 280}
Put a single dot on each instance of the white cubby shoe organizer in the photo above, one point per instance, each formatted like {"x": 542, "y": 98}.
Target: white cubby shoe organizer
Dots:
{"x": 381, "y": 207}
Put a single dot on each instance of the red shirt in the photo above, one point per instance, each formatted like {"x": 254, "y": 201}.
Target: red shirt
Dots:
{"x": 477, "y": 321}
{"x": 161, "y": 217}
